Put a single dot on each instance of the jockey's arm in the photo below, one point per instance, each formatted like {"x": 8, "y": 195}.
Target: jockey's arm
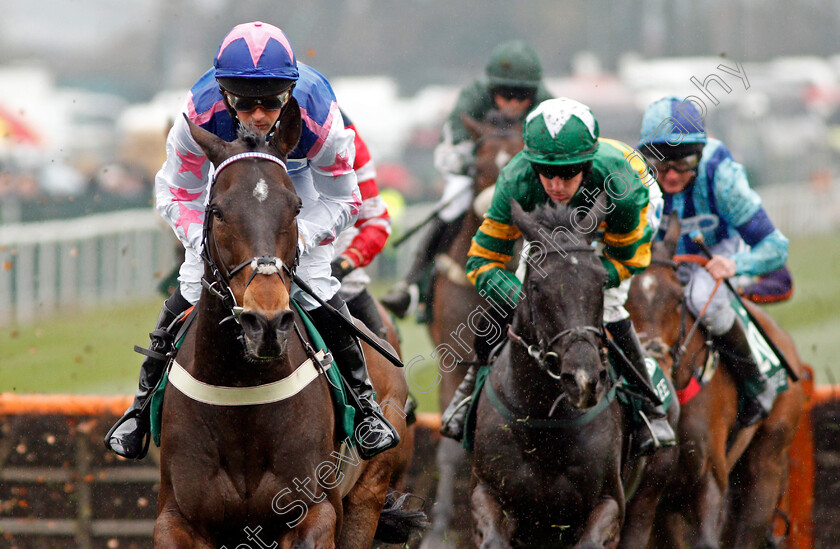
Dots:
{"x": 181, "y": 186}
{"x": 741, "y": 207}
{"x": 374, "y": 222}
{"x": 634, "y": 214}
{"x": 492, "y": 247}
{"x": 335, "y": 180}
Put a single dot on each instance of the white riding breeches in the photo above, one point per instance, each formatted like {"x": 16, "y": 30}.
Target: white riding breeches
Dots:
{"x": 458, "y": 189}
{"x": 719, "y": 316}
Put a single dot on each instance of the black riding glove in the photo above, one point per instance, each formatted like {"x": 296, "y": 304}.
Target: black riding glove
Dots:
{"x": 341, "y": 266}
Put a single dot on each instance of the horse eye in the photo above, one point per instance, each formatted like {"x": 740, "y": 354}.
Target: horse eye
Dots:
{"x": 217, "y": 215}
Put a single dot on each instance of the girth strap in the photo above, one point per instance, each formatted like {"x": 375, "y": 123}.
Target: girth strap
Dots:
{"x": 276, "y": 391}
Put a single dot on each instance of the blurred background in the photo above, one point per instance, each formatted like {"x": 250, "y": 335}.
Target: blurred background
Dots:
{"x": 89, "y": 88}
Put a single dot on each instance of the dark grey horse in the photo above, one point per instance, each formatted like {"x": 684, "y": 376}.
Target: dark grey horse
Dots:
{"x": 549, "y": 446}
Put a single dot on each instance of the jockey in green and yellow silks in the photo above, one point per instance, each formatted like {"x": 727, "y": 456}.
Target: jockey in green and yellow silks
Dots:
{"x": 565, "y": 162}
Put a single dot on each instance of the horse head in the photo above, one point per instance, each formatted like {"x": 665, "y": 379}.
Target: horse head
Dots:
{"x": 561, "y": 313}
{"x": 250, "y": 233}
{"x": 655, "y": 299}
{"x": 496, "y": 142}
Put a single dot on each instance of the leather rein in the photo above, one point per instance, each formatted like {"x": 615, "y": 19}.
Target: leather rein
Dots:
{"x": 263, "y": 265}
{"x": 546, "y": 359}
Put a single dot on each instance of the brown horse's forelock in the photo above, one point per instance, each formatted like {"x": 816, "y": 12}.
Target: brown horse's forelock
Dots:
{"x": 250, "y": 137}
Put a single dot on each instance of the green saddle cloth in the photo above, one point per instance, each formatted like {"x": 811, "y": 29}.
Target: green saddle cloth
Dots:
{"x": 630, "y": 402}
{"x": 345, "y": 414}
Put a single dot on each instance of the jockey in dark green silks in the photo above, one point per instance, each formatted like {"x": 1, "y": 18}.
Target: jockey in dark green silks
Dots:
{"x": 565, "y": 162}
{"x": 512, "y": 88}
{"x": 710, "y": 194}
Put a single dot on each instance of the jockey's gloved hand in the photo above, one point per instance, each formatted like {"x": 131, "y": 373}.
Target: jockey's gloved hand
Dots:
{"x": 341, "y": 266}
{"x": 503, "y": 287}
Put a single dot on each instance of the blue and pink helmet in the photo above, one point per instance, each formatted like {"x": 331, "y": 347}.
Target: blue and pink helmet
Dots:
{"x": 672, "y": 127}
{"x": 256, "y": 60}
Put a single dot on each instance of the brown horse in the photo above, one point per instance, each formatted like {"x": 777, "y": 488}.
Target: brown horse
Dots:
{"x": 549, "y": 457}
{"x": 721, "y": 472}
{"x": 455, "y": 300}
{"x": 258, "y": 457}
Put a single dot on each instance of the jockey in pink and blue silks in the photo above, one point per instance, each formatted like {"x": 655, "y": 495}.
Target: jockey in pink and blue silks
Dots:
{"x": 254, "y": 75}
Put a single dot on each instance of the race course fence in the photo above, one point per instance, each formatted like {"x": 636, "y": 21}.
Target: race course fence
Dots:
{"x": 113, "y": 257}
{"x": 60, "y": 488}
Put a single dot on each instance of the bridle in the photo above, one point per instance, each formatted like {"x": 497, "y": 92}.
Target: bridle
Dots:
{"x": 262, "y": 265}
{"x": 678, "y": 351}
{"x": 541, "y": 352}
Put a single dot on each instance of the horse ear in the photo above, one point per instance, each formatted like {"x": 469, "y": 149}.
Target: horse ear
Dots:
{"x": 523, "y": 221}
{"x": 287, "y": 134}
{"x": 214, "y": 147}
{"x": 672, "y": 235}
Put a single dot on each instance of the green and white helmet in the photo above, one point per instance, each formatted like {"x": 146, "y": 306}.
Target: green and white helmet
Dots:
{"x": 514, "y": 64}
{"x": 559, "y": 132}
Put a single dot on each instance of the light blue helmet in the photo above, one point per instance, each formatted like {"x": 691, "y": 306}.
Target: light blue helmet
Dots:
{"x": 671, "y": 122}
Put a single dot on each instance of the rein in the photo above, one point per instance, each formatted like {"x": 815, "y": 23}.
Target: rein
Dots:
{"x": 263, "y": 265}
{"x": 541, "y": 351}
{"x": 678, "y": 351}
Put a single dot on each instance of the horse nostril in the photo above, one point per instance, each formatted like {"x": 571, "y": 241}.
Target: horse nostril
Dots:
{"x": 283, "y": 322}
{"x": 569, "y": 383}
{"x": 253, "y": 324}
{"x": 602, "y": 377}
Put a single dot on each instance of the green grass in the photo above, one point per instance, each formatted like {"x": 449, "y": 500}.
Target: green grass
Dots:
{"x": 812, "y": 316}
{"x": 91, "y": 351}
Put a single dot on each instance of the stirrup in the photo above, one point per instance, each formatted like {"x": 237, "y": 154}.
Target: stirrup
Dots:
{"x": 451, "y": 411}
{"x": 384, "y": 429}
{"x": 656, "y": 443}
{"x": 134, "y": 414}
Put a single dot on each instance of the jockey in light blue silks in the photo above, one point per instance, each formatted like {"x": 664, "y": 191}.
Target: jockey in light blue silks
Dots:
{"x": 709, "y": 192}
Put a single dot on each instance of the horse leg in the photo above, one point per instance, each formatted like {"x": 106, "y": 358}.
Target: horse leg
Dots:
{"x": 172, "y": 531}
{"x": 450, "y": 455}
{"x": 315, "y": 531}
{"x": 603, "y": 527}
{"x": 708, "y": 509}
{"x": 363, "y": 505}
{"x": 492, "y": 528}
{"x": 641, "y": 509}
{"x": 758, "y": 480}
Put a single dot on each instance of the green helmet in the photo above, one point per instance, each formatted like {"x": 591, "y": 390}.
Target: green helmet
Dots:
{"x": 514, "y": 64}
{"x": 559, "y": 132}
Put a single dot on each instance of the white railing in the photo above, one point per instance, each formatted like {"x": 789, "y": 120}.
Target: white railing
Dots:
{"x": 801, "y": 209}
{"x": 123, "y": 255}
{"x": 91, "y": 260}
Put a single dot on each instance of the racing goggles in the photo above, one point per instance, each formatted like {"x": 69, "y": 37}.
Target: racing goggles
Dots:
{"x": 681, "y": 165}
{"x": 512, "y": 92}
{"x": 248, "y": 104}
{"x": 566, "y": 172}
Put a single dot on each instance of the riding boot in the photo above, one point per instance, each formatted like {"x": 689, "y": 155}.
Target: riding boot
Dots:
{"x": 653, "y": 431}
{"x": 129, "y": 435}
{"x": 374, "y": 433}
{"x": 758, "y": 393}
{"x": 363, "y": 307}
{"x": 454, "y": 418}
{"x": 404, "y": 296}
